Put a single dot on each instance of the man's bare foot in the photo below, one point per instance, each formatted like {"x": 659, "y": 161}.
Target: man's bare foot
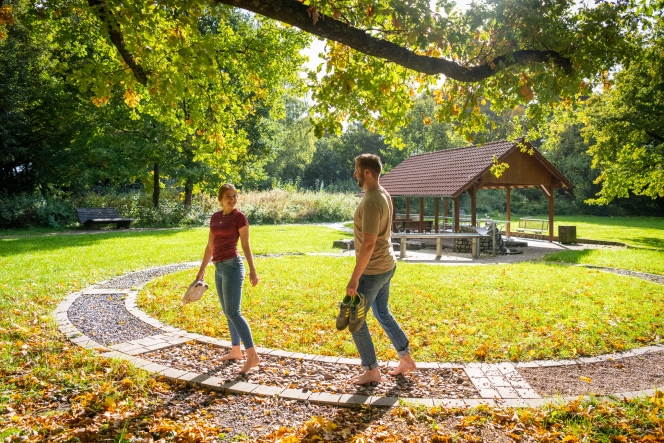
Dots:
{"x": 372, "y": 376}
{"x": 251, "y": 361}
{"x": 406, "y": 364}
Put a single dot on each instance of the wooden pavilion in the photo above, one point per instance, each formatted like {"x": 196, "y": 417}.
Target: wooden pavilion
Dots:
{"x": 448, "y": 174}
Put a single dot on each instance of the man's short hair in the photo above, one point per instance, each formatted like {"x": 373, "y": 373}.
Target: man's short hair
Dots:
{"x": 371, "y": 162}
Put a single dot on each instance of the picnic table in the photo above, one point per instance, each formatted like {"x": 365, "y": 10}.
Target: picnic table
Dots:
{"x": 474, "y": 236}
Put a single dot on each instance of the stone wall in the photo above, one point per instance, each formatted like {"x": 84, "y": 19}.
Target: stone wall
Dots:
{"x": 465, "y": 244}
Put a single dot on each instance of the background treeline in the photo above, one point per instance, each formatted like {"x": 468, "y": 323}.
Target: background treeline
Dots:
{"x": 61, "y": 147}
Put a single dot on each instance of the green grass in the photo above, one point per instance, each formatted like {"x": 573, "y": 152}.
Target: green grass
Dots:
{"x": 515, "y": 312}
{"x": 640, "y": 260}
{"x": 645, "y": 232}
{"x": 38, "y": 366}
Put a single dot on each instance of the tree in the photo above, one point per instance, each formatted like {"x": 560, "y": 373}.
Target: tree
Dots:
{"x": 506, "y": 53}
{"x": 625, "y": 129}
{"x": 291, "y": 140}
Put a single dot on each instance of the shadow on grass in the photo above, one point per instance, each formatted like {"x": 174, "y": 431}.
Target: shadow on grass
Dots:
{"x": 567, "y": 256}
{"x": 22, "y": 245}
{"x": 649, "y": 242}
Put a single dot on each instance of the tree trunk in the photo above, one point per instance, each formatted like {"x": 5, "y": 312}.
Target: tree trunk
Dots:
{"x": 188, "y": 193}
{"x": 156, "y": 187}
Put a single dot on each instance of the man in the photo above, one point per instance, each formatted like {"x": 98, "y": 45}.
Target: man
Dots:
{"x": 375, "y": 265}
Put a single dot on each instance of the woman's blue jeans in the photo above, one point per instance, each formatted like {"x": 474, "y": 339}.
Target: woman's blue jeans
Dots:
{"x": 377, "y": 289}
{"x": 229, "y": 277}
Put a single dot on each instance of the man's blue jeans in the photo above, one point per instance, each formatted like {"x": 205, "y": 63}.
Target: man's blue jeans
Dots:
{"x": 377, "y": 289}
{"x": 229, "y": 277}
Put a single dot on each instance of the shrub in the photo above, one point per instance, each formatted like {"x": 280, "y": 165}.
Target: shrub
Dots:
{"x": 278, "y": 206}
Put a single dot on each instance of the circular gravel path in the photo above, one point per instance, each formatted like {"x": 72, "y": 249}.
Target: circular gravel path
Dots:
{"x": 104, "y": 317}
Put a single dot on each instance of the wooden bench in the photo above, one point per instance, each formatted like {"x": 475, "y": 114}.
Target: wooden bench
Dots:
{"x": 534, "y": 226}
{"x": 411, "y": 225}
{"x": 474, "y": 236}
{"x": 91, "y": 217}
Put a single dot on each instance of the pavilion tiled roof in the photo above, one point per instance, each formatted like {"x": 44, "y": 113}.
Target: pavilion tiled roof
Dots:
{"x": 443, "y": 173}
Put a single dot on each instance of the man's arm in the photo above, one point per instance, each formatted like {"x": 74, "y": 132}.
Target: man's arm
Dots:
{"x": 361, "y": 262}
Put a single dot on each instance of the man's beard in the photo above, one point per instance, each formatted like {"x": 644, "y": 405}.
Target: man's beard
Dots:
{"x": 360, "y": 182}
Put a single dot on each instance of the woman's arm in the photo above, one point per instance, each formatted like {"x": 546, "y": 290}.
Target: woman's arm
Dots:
{"x": 207, "y": 256}
{"x": 244, "y": 240}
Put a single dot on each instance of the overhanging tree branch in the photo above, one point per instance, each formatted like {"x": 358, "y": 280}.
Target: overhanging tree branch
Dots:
{"x": 296, "y": 14}
{"x": 113, "y": 28}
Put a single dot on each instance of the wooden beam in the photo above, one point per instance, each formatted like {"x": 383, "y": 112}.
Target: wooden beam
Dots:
{"x": 436, "y": 209}
{"x": 548, "y": 191}
{"x": 421, "y": 214}
{"x": 508, "y": 211}
{"x": 446, "y": 212}
{"x": 407, "y": 208}
{"x": 473, "y": 206}
{"x": 456, "y": 214}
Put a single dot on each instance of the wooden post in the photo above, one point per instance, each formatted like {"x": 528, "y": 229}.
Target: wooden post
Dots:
{"x": 508, "y": 210}
{"x": 473, "y": 206}
{"x": 456, "y": 215}
{"x": 421, "y": 215}
{"x": 407, "y": 208}
{"x": 551, "y": 214}
{"x": 436, "y": 203}
{"x": 446, "y": 212}
{"x": 548, "y": 191}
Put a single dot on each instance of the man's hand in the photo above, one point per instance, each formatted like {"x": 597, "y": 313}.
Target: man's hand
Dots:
{"x": 351, "y": 288}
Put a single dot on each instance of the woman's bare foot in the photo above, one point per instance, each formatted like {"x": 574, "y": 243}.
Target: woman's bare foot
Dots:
{"x": 251, "y": 361}
{"x": 235, "y": 354}
{"x": 406, "y": 364}
{"x": 372, "y": 376}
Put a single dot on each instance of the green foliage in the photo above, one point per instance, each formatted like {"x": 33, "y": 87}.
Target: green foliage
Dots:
{"x": 26, "y": 210}
{"x": 356, "y": 86}
{"x": 624, "y": 128}
{"x": 279, "y": 206}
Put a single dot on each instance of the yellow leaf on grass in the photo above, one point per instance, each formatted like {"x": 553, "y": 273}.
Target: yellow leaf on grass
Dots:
{"x": 586, "y": 379}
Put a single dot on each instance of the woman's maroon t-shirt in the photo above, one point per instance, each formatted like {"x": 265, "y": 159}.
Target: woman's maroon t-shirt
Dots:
{"x": 225, "y": 230}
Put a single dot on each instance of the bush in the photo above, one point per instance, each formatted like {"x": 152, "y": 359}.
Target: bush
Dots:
{"x": 279, "y": 206}
{"x": 26, "y": 210}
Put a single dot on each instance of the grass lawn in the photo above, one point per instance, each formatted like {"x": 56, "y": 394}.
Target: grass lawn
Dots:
{"x": 51, "y": 390}
{"x": 644, "y": 232}
{"x": 640, "y": 260}
{"x": 510, "y": 312}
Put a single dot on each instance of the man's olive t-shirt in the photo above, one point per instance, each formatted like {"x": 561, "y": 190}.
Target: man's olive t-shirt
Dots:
{"x": 374, "y": 216}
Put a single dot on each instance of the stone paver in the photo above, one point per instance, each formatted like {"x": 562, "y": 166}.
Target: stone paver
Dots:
{"x": 498, "y": 384}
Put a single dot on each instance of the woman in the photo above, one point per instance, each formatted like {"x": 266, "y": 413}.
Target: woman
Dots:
{"x": 226, "y": 226}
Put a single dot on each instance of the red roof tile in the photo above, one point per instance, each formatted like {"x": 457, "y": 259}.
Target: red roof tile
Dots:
{"x": 447, "y": 173}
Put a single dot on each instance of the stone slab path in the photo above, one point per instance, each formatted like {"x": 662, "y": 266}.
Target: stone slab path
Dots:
{"x": 105, "y": 319}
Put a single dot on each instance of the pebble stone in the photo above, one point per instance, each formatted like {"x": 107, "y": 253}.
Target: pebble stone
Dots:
{"x": 315, "y": 376}
{"x": 139, "y": 278}
{"x": 104, "y": 319}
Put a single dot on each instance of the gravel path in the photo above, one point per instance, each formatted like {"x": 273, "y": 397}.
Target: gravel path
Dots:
{"x": 140, "y": 278}
{"x": 627, "y": 374}
{"x": 316, "y": 376}
{"x": 104, "y": 318}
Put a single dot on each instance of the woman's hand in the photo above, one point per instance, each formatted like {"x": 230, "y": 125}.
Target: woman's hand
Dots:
{"x": 253, "y": 277}
{"x": 201, "y": 275}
